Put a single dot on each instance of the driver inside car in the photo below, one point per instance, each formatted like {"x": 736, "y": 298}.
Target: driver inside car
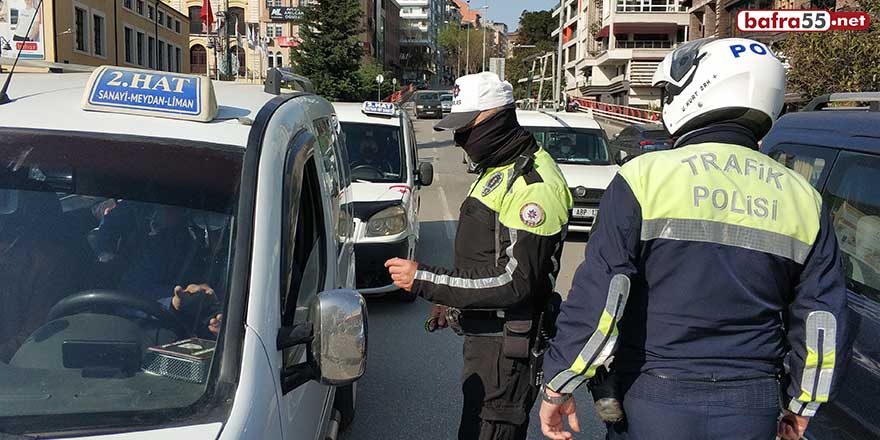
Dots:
{"x": 38, "y": 264}
{"x": 564, "y": 147}
{"x": 371, "y": 157}
{"x": 163, "y": 251}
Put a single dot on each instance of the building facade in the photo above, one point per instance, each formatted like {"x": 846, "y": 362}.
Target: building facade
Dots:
{"x": 380, "y": 34}
{"x": 130, "y": 33}
{"x": 420, "y": 22}
{"x": 611, "y": 48}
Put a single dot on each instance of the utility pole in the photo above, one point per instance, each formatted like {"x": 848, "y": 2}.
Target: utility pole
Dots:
{"x": 226, "y": 48}
{"x": 485, "y": 9}
{"x": 557, "y": 89}
{"x": 467, "y": 64}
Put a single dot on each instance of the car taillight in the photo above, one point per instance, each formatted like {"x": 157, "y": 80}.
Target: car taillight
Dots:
{"x": 643, "y": 143}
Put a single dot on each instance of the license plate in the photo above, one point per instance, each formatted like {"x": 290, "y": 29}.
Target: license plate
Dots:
{"x": 585, "y": 212}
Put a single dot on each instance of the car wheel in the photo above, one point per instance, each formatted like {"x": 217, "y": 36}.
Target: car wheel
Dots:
{"x": 346, "y": 402}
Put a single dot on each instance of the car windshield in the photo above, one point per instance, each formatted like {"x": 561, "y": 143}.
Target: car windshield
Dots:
{"x": 446, "y": 97}
{"x": 573, "y": 145}
{"x": 429, "y": 97}
{"x": 374, "y": 151}
{"x": 114, "y": 267}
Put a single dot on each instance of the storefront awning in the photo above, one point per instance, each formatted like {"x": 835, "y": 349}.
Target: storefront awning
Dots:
{"x": 639, "y": 28}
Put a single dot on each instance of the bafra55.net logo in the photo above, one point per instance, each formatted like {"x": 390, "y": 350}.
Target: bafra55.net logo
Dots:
{"x": 800, "y": 20}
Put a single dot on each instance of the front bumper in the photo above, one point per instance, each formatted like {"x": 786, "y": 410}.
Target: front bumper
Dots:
{"x": 589, "y": 200}
{"x": 371, "y": 276}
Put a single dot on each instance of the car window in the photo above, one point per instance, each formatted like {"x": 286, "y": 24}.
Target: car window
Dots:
{"x": 303, "y": 232}
{"x": 627, "y": 132}
{"x": 128, "y": 218}
{"x": 446, "y": 97}
{"x": 429, "y": 97}
{"x": 573, "y": 145}
{"x": 854, "y": 202}
{"x": 655, "y": 135}
{"x": 375, "y": 152}
{"x": 811, "y": 162}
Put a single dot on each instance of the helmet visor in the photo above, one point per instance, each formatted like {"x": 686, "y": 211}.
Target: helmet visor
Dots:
{"x": 685, "y": 58}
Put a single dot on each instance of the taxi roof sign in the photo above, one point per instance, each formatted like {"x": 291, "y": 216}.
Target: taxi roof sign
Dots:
{"x": 150, "y": 93}
{"x": 379, "y": 108}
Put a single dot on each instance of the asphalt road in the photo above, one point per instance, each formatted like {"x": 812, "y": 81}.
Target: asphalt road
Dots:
{"x": 411, "y": 389}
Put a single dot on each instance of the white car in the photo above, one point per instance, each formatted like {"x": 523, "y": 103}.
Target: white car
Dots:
{"x": 386, "y": 180}
{"x": 580, "y": 147}
{"x": 177, "y": 261}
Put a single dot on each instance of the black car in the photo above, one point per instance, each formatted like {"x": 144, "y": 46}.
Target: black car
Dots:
{"x": 428, "y": 104}
{"x": 641, "y": 138}
{"x": 838, "y": 150}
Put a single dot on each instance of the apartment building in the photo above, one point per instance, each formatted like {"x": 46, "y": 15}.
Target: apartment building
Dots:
{"x": 132, "y": 33}
{"x": 420, "y": 22}
{"x": 612, "y": 47}
{"x": 380, "y": 34}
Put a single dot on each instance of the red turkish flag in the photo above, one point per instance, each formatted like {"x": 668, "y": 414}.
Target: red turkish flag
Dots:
{"x": 207, "y": 15}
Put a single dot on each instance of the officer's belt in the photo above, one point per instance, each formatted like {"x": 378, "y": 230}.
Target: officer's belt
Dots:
{"x": 481, "y": 323}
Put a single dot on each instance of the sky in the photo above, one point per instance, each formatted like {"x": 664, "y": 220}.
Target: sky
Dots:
{"x": 507, "y": 11}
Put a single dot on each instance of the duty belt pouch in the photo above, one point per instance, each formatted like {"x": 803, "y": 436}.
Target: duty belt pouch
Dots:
{"x": 517, "y": 338}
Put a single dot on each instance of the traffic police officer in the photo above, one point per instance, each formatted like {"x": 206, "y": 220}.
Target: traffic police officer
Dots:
{"x": 711, "y": 263}
{"x": 510, "y": 232}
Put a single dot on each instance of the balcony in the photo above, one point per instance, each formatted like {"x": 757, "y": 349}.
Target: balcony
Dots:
{"x": 644, "y": 44}
{"x": 648, "y": 8}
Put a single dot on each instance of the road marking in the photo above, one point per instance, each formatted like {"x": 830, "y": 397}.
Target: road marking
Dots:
{"x": 449, "y": 229}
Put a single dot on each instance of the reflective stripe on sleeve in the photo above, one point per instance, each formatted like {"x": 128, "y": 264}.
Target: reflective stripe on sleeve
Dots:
{"x": 479, "y": 283}
{"x": 601, "y": 344}
{"x": 726, "y": 234}
{"x": 821, "y": 328}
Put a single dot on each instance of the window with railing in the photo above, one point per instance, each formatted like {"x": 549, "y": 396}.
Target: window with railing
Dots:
{"x": 649, "y": 6}
{"x": 644, "y": 44}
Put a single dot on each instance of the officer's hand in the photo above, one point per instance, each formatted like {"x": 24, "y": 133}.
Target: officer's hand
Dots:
{"x": 792, "y": 426}
{"x": 215, "y": 324}
{"x": 191, "y": 290}
{"x": 439, "y": 313}
{"x": 552, "y": 419}
{"x": 403, "y": 272}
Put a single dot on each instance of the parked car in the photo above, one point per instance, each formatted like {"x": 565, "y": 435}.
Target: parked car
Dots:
{"x": 428, "y": 104}
{"x": 838, "y": 150}
{"x": 641, "y": 138}
{"x": 387, "y": 181}
{"x": 580, "y": 147}
{"x": 446, "y": 102}
{"x": 119, "y": 185}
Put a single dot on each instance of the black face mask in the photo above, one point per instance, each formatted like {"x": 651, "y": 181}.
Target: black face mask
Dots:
{"x": 488, "y": 138}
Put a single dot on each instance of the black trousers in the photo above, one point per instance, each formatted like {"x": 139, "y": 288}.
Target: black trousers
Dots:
{"x": 498, "y": 392}
{"x": 660, "y": 409}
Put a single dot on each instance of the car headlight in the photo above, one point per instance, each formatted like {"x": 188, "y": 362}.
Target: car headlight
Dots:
{"x": 389, "y": 221}
{"x": 420, "y": 106}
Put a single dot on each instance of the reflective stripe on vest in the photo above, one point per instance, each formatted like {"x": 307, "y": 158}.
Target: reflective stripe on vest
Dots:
{"x": 725, "y": 194}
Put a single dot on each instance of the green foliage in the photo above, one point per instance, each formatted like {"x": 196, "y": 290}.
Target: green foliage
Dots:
{"x": 330, "y": 49}
{"x": 367, "y": 88}
{"x": 835, "y": 61}
{"x": 536, "y": 26}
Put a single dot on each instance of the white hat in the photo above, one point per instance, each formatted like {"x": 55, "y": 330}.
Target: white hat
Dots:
{"x": 473, "y": 94}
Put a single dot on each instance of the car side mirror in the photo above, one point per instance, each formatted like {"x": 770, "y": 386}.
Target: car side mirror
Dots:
{"x": 621, "y": 157}
{"x": 336, "y": 336}
{"x": 426, "y": 174}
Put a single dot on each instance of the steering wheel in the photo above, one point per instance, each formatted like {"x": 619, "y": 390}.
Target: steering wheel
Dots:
{"x": 370, "y": 171}
{"x": 111, "y": 300}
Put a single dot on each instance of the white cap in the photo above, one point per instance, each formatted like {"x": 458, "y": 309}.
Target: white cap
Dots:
{"x": 473, "y": 94}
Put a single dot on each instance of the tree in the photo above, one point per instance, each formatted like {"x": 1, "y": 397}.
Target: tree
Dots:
{"x": 330, "y": 49}
{"x": 536, "y": 26}
{"x": 368, "y": 88}
{"x": 835, "y": 61}
{"x": 454, "y": 40}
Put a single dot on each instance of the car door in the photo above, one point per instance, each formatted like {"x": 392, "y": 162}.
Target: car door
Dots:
{"x": 412, "y": 150}
{"x": 307, "y": 268}
{"x": 851, "y": 196}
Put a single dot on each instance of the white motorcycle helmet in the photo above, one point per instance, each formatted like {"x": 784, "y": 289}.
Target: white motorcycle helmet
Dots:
{"x": 720, "y": 80}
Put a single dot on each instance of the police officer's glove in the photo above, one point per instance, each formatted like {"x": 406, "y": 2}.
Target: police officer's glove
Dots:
{"x": 603, "y": 387}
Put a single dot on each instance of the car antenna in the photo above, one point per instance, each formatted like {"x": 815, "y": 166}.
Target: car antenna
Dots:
{"x": 4, "y": 98}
